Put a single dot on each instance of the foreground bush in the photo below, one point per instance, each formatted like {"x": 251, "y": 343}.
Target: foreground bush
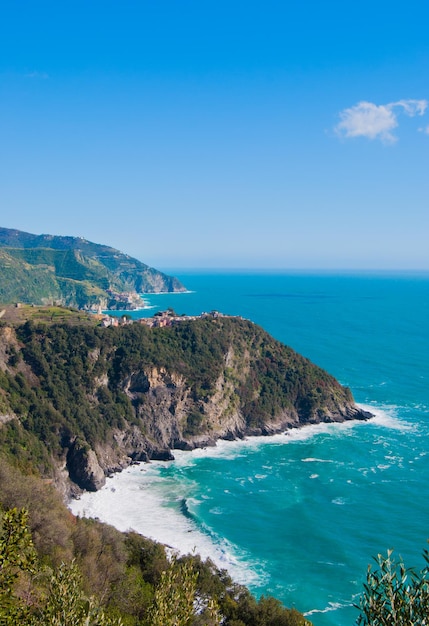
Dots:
{"x": 395, "y": 595}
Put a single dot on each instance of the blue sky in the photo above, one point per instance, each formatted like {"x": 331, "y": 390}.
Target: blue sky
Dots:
{"x": 237, "y": 134}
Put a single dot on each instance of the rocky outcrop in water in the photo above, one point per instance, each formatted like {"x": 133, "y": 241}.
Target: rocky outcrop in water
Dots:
{"x": 84, "y": 468}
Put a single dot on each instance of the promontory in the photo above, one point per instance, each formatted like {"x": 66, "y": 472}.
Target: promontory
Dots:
{"x": 71, "y": 271}
{"x": 79, "y": 401}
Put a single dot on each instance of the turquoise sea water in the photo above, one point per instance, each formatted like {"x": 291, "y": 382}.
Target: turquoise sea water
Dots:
{"x": 300, "y": 516}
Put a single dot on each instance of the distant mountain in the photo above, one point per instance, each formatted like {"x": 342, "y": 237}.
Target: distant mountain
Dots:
{"x": 72, "y": 271}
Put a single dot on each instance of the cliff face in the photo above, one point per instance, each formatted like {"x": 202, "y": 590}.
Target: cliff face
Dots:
{"x": 93, "y": 399}
{"x": 72, "y": 271}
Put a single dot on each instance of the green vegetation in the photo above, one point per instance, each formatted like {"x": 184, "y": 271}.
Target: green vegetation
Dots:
{"x": 56, "y": 570}
{"x": 17, "y": 555}
{"x": 70, "y": 270}
{"x": 395, "y": 595}
{"x": 174, "y": 597}
{"x": 47, "y": 314}
{"x": 67, "y": 388}
{"x": 72, "y": 381}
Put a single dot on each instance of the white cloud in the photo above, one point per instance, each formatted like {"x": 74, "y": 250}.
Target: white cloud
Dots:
{"x": 411, "y": 107}
{"x": 374, "y": 121}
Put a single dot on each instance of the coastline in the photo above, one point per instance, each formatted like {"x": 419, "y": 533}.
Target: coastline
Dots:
{"x": 369, "y": 499}
{"x": 142, "y": 497}
{"x": 166, "y": 293}
{"x": 146, "y": 306}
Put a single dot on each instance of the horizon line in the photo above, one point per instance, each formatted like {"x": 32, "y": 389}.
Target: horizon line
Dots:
{"x": 298, "y": 270}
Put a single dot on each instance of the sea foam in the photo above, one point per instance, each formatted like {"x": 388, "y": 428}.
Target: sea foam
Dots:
{"x": 139, "y": 500}
{"x": 143, "y": 498}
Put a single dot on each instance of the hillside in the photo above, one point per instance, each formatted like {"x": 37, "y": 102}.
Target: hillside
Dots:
{"x": 78, "y": 401}
{"x": 72, "y": 271}
{"x": 59, "y": 569}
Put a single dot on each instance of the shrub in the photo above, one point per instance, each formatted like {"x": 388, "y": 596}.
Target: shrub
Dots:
{"x": 395, "y": 595}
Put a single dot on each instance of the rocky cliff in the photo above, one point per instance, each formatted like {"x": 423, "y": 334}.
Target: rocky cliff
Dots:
{"x": 92, "y": 400}
{"x": 72, "y": 271}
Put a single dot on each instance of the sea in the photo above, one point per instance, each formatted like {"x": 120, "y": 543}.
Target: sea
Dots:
{"x": 301, "y": 515}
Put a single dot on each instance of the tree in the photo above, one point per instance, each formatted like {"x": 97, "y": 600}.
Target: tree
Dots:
{"x": 17, "y": 555}
{"x": 61, "y": 603}
{"x": 67, "y": 606}
{"x": 176, "y": 601}
{"x": 395, "y": 595}
{"x": 174, "y": 596}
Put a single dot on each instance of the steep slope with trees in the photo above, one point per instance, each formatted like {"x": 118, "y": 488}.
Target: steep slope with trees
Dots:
{"x": 72, "y": 271}
{"x": 86, "y": 400}
{"x": 57, "y": 569}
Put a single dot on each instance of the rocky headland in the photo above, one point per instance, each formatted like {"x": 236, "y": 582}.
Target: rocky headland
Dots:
{"x": 78, "y": 402}
{"x": 74, "y": 272}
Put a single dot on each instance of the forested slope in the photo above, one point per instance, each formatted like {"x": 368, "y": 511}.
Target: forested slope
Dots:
{"x": 57, "y": 569}
{"x": 72, "y": 271}
{"x": 83, "y": 401}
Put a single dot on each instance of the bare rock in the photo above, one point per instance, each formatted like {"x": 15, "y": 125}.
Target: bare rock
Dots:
{"x": 84, "y": 468}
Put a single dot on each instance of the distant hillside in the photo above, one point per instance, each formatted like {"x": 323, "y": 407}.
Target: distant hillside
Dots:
{"x": 72, "y": 271}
